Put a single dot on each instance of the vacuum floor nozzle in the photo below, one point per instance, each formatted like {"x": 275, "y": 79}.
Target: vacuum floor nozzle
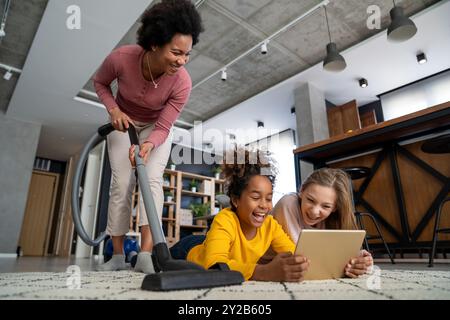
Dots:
{"x": 190, "y": 279}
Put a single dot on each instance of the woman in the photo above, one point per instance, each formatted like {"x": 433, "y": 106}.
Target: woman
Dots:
{"x": 153, "y": 87}
{"x": 324, "y": 202}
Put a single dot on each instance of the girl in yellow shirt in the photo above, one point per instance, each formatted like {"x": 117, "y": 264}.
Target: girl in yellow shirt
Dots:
{"x": 240, "y": 235}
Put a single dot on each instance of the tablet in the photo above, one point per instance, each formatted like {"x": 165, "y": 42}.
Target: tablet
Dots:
{"x": 328, "y": 251}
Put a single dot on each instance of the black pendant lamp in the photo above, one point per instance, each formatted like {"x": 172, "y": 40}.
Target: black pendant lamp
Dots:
{"x": 401, "y": 27}
{"x": 333, "y": 61}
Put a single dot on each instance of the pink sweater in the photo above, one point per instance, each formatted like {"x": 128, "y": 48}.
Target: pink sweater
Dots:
{"x": 137, "y": 97}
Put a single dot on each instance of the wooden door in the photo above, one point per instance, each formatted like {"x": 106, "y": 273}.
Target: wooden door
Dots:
{"x": 38, "y": 215}
{"x": 343, "y": 119}
{"x": 368, "y": 118}
{"x": 65, "y": 229}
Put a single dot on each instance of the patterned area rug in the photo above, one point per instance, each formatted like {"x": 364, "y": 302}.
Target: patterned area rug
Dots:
{"x": 384, "y": 284}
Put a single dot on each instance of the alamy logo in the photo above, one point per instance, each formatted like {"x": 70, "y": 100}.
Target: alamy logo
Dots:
{"x": 74, "y": 279}
{"x": 374, "y": 20}
{"x": 74, "y": 19}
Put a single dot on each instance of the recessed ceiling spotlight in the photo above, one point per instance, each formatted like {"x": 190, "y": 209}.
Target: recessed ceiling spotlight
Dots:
{"x": 421, "y": 58}
{"x": 363, "y": 83}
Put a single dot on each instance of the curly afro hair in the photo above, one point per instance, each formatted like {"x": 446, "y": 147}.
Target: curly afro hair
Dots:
{"x": 163, "y": 20}
{"x": 241, "y": 164}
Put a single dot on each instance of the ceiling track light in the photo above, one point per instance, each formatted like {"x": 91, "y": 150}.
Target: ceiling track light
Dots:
{"x": 224, "y": 74}
{"x": 401, "y": 27}
{"x": 334, "y": 61}
{"x": 264, "y": 47}
{"x": 260, "y": 124}
{"x": 2, "y": 30}
{"x": 421, "y": 58}
{"x": 259, "y": 44}
{"x": 363, "y": 83}
{"x": 3, "y": 21}
{"x": 8, "y": 74}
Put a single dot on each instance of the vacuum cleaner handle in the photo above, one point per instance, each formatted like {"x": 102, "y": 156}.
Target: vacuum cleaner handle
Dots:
{"x": 163, "y": 260}
{"x": 147, "y": 197}
{"x": 105, "y": 129}
{"x": 133, "y": 135}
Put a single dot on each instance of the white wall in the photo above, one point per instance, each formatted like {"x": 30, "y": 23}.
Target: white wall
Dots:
{"x": 281, "y": 147}
{"x": 418, "y": 96}
{"x": 18, "y": 144}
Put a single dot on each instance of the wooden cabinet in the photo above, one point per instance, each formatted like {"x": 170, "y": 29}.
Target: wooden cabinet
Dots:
{"x": 343, "y": 119}
{"x": 177, "y": 184}
{"x": 368, "y": 118}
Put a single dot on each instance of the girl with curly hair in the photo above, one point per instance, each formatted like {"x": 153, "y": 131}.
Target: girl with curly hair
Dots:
{"x": 241, "y": 234}
{"x": 153, "y": 87}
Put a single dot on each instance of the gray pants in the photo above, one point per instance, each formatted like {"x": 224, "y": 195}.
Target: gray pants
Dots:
{"x": 123, "y": 179}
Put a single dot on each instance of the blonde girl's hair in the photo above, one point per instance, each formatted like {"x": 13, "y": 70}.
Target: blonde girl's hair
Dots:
{"x": 343, "y": 217}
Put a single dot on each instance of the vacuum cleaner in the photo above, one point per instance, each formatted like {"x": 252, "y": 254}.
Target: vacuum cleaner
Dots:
{"x": 170, "y": 274}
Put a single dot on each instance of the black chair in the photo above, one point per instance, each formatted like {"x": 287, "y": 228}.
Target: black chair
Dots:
{"x": 354, "y": 174}
{"x": 438, "y": 145}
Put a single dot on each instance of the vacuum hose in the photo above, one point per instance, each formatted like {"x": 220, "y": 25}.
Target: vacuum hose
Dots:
{"x": 177, "y": 274}
{"x": 101, "y": 134}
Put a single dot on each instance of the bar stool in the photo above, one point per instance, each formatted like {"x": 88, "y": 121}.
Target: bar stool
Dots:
{"x": 356, "y": 173}
{"x": 438, "y": 145}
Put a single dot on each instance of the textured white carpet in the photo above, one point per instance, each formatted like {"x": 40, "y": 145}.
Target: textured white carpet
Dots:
{"x": 391, "y": 284}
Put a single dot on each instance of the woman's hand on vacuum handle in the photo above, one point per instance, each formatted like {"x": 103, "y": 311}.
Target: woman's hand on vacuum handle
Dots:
{"x": 144, "y": 151}
{"x": 120, "y": 120}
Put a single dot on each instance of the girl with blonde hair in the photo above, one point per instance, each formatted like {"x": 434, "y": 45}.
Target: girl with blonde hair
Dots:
{"x": 323, "y": 202}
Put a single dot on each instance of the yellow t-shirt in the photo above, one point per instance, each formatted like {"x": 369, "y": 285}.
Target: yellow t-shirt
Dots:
{"x": 225, "y": 242}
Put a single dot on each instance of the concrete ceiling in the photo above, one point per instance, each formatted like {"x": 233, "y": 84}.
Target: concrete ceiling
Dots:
{"x": 61, "y": 62}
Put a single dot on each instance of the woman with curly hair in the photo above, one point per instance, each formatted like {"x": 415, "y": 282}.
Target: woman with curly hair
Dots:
{"x": 153, "y": 87}
{"x": 240, "y": 235}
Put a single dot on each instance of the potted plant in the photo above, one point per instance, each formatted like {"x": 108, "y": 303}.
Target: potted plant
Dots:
{"x": 200, "y": 210}
{"x": 171, "y": 165}
{"x": 169, "y": 196}
{"x": 193, "y": 185}
{"x": 217, "y": 170}
{"x": 166, "y": 178}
